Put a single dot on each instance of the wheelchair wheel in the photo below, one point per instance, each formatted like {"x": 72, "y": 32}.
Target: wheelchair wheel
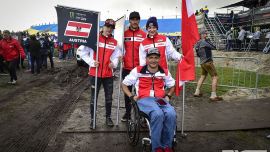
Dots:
{"x": 133, "y": 125}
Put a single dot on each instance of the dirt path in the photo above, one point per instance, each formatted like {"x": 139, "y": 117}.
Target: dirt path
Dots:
{"x": 31, "y": 113}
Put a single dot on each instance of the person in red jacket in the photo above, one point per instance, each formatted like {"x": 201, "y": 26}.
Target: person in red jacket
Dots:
{"x": 133, "y": 37}
{"x": 155, "y": 40}
{"x": 150, "y": 82}
{"x": 108, "y": 58}
{"x": 11, "y": 51}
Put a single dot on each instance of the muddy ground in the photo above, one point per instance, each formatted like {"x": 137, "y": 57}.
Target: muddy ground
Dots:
{"x": 34, "y": 112}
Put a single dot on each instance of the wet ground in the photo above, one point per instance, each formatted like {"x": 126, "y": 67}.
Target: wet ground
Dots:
{"x": 50, "y": 112}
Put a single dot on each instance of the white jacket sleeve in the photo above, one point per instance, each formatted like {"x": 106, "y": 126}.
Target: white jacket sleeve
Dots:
{"x": 115, "y": 56}
{"x": 131, "y": 78}
{"x": 169, "y": 81}
{"x": 142, "y": 55}
{"x": 171, "y": 52}
{"x": 87, "y": 54}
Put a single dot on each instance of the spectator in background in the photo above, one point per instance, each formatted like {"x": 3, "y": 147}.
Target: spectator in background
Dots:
{"x": 66, "y": 48}
{"x": 232, "y": 17}
{"x": 241, "y": 38}
{"x": 178, "y": 43}
{"x": 204, "y": 52}
{"x": 2, "y": 64}
{"x": 229, "y": 39}
{"x": 11, "y": 50}
{"x": 50, "y": 50}
{"x": 256, "y": 38}
{"x": 26, "y": 45}
{"x": 201, "y": 11}
{"x": 34, "y": 50}
{"x": 206, "y": 11}
{"x": 44, "y": 44}
{"x": 197, "y": 12}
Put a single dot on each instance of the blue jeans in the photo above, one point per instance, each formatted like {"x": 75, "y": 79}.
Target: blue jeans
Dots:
{"x": 162, "y": 121}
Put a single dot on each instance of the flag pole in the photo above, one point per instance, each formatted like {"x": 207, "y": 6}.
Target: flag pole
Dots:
{"x": 183, "y": 111}
{"x": 96, "y": 74}
{"x": 120, "y": 76}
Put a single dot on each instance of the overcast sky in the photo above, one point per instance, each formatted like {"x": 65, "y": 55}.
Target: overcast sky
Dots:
{"x": 21, "y": 14}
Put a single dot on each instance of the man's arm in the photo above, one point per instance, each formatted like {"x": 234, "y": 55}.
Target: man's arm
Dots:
{"x": 130, "y": 80}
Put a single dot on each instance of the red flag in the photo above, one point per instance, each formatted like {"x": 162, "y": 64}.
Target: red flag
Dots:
{"x": 78, "y": 29}
{"x": 190, "y": 35}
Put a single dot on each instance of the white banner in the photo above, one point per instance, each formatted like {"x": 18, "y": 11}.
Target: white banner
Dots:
{"x": 119, "y": 31}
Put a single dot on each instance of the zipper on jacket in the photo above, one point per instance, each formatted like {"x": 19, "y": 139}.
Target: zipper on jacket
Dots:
{"x": 103, "y": 57}
{"x": 154, "y": 42}
{"x": 153, "y": 88}
{"x": 133, "y": 51}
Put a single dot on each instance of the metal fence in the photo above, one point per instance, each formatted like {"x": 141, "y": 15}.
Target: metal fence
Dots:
{"x": 233, "y": 72}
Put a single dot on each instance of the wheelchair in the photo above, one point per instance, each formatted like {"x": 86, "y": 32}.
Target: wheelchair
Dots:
{"x": 139, "y": 122}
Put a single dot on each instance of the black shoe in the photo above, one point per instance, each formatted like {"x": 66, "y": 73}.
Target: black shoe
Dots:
{"x": 109, "y": 122}
{"x": 91, "y": 124}
{"x": 125, "y": 118}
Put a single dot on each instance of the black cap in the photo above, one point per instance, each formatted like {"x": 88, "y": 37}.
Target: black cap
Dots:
{"x": 153, "y": 51}
{"x": 134, "y": 15}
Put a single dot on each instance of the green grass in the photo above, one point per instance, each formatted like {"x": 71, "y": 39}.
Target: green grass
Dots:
{"x": 229, "y": 77}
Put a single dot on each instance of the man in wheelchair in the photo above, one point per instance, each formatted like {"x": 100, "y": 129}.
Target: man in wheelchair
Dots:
{"x": 150, "y": 81}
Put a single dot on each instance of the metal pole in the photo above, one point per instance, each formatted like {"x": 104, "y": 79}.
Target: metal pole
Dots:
{"x": 95, "y": 97}
{"x": 183, "y": 110}
{"x": 121, "y": 70}
{"x": 119, "y": 94}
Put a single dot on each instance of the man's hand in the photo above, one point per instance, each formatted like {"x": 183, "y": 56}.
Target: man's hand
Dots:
{"x": 120, "y": 58}
{"x": 167, "y": 98}
{"x": 96, "y": 63}
{"x": 111, "y": 65}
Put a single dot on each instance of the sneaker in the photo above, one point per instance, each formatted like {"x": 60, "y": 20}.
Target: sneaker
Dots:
{"x": 197, "y": 95}
{"x": 109, "y": 122}
{"x": 125, "y": 118}
{"x": 13, "y": 82}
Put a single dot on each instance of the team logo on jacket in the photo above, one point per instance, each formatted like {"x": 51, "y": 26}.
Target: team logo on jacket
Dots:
{"x": 160, "y": 40}
{"x": 78, "y": 29}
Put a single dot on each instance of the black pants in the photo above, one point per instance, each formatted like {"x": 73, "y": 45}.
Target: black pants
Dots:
{"x": 35, "y": 60}
{"x": 256, "y": 41}
{"x": 2, "y": 64}
{"x": 125, "y": 72}
{"x": 12, "y": 69}
{"x": 50, "y": 55}
{"x": 44, "y": 60}
{"x": 108, "y": 89}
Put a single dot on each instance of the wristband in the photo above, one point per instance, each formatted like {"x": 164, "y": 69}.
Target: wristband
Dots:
{"x": 131, "y": 98}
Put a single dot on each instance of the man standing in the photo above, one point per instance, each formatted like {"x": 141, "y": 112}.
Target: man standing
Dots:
{"x": 150, "y": 81}
{"x": 229, "y": 39}
{"x": 241, "y": 38}
{"x": 108, "y": 58}
{"x": 256, "y": 38}
{"x": 204, "y": 52}
{"x": 11, "y": 51}
{"x": 154, "y": 40}
{"x": 133, "y": 37}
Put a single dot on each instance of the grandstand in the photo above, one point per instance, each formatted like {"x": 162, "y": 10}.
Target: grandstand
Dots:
{"x": 170, "y": 27}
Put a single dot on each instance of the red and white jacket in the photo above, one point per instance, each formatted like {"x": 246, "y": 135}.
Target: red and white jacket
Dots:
{"x": 11, "y": 49}
{"x": 132, "y": 43}
{"x": 149, "y": 84}
{"x": 108, "y": 52}
{"x": 164, "y": 46}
